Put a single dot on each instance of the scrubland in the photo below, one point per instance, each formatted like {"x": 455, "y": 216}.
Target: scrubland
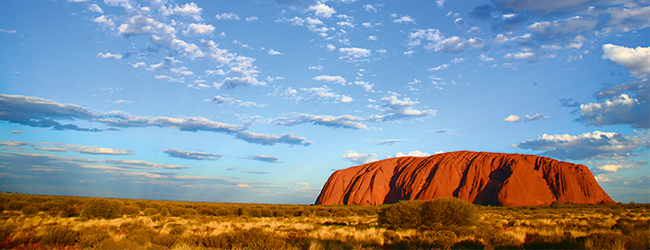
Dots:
{"x": 57, "y": 222}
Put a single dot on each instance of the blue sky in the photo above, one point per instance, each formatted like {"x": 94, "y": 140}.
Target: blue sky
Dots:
{"x": 260, "y": 101}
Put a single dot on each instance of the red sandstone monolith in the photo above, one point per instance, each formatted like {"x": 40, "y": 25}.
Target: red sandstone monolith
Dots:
{"x": 477, "y": 177}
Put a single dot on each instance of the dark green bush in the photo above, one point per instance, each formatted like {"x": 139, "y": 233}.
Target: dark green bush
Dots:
{"x": 178, "y": 212}
{"x": 29, "y": 209}
{"x": 323, "y": 213}
{"x": 16, "y": 205}
{"x": 102, "y": 208}
{"x": 176, "y": 229}
{"x": 131, "y": 210}
{"x": 91, "y": 237}
{"x": 60, "y": 236}
{"x": 150, "y": 211}
{"x": 110, "y": 243}
{"x": 164, "y": 212}
{"x": 404, "y": 214}
{"x": 605, "y": 240}
{"x": 448, "y": 211}
{"x": 166, "y": 240}
{"x": 504, "y": 241}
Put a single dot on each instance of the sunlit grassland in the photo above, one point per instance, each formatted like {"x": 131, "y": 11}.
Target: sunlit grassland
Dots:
{"x": 35, "y": 221}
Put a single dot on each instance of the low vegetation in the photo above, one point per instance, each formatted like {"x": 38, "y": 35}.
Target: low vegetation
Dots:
{"x": 47, "y": 222}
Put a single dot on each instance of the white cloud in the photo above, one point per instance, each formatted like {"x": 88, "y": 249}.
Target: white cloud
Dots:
{"x": 396, "y": 109}
{"x": 227, "y": 16}
{"x": 191, "y": 155}
{"x": 251, "y": 19}
{"x": 536, "y": 117}
{"x": 636, "y": 60}
{"x": 344, "y": 121}
{"x": 440, "y": 67}
{"x": 366, "y": 85}
{"x": 512, "y": 118}
{"x": 104, "y": 21}
{"x": 519, "y": 55}
{"x": 190, "y": 10}
{"x": 109, "y": 55}
{"x": 137, "y": 25}
{"x": 354, "y": 53}
{"x": 199, "y": 29}
{"x": 570, "y": 26}
{"x": 590, "y": 145}
{"x": 372, "y": 38}
{"x": 404, "y": 19}
{"x": 225, "y": 99}
{"x": 485, "y": 58}
{"x": 416, "y": 153}
{"x": 500, "y": 38}
{"x": 274, "y": 52}
{"x": 332, "y": 79}
{"x": 621, "y": 109}
{"x": 440, "y": 3}
{"x": 436, "y": 41}
{"x": 95, "y": 8}
{"x": 322, "y": 10}
{"x": 359, "y": 158}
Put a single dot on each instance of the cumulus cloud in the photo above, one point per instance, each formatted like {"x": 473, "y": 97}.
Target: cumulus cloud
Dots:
{"x": 109, "y": 55}
{"x": 353, "y": 54}
{"x": 332, "y": 79}
{"x": 227, "y": 16}
{"x": 622, "y": 104}
{"x": 590, "y": 145}
{"x": 416, "y": 153}
{"x": 344, "y": 121}
{"x": 403, "y": 19}
{"x": 191, "y": 155}
{"x": 636, "y": 60}
{"x": 137, "y": 25}
{"x": 274, "y": 52}
{"x": 198, "y": 29}
{"x": 436, "y": 41}
{"x": 263, "y": 158}
{"x": 512, "y": 118}
{"x": 315, "y": 94}
{"x": 322, "y": 10}
{"x": 537, "y": 116}
{"x": 359, "y": 158}
{"x": 396, "y": 109}
{"x": 570, "y": 26}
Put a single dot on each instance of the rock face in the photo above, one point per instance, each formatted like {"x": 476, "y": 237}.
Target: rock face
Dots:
{"x": 477, "y": 177}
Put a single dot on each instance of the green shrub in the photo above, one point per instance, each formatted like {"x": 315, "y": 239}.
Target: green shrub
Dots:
{"x": 16, "y": 205}
{"x": 469, "y": 244}
{"x": 638, "y": 239}
{"x": 504, "y": 241}
{"x": 29, "y": 210}
{"x": 206, "y": 211}
{"x": 322, "y": 213}
{"x": 448, "y": 211}
{"x": 102, "y": 208}
{"x": 553, "y": 241}
{"x": 222, "y": 211}
{"x": 60, "y": 236}
{"x": 254, "y": 238}
{"x": 605, "y": 240}
{"x": 404, "y": 214}
{"x": 131, "y": 210}
{"x": 178, "y": 212}
{"x": 176, "y": 229}
{"x": 110, "y": 243}
{"x": 166, "y": 240}
{"x": 150, "y": 211}
{"x": 91, "y": 237}
{"x": 164, "y": 212}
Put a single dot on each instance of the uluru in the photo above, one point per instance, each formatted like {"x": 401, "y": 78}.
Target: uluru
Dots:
{"x": 497, "y": 179}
